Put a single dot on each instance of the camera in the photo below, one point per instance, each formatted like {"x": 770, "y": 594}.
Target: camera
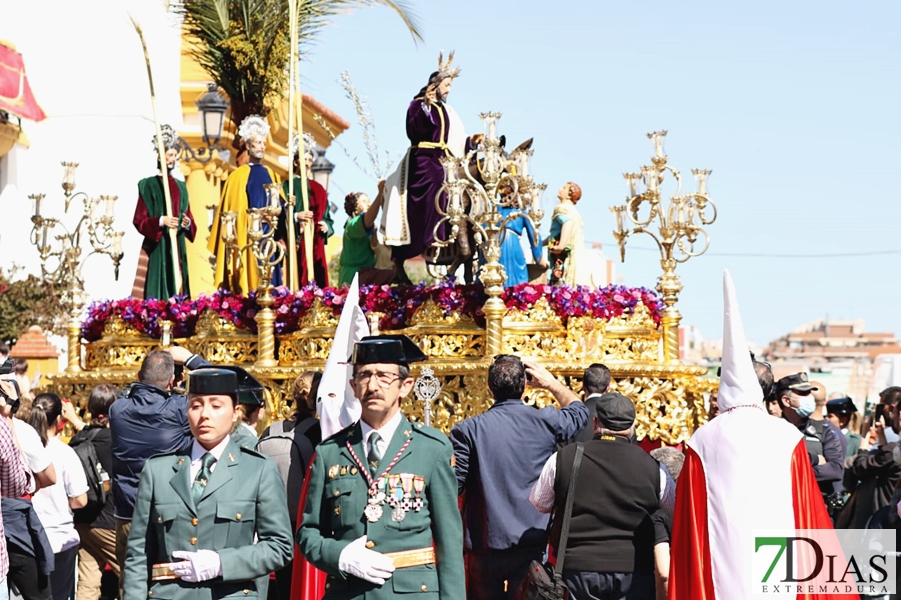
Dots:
{"x": 14, "y": 404}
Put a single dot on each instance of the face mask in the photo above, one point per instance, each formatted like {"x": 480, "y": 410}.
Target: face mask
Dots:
{"x": 807, "y": 406}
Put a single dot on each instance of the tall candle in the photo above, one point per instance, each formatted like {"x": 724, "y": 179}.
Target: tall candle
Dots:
{"x": 37, "y": 203}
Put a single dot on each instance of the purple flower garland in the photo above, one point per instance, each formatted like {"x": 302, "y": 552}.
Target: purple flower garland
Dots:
{"x": 397, "y": 304}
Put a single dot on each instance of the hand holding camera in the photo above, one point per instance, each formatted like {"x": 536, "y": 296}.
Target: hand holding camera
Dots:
{"x": 9, "y": 398}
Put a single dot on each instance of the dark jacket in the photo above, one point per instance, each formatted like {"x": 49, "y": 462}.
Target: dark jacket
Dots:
{"x": 499, "y": 455}
{"x": 149, "y": 421}
{"x": 822, "y": 438}
{"x": 871, "y": 478}
{"x": 23, "y": 529}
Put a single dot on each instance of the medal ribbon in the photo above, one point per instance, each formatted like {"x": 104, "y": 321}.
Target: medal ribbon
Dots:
{"x": 372, "y": 481}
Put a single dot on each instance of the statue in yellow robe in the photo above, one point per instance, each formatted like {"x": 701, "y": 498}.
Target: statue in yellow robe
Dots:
{"x": 245, "y": 188}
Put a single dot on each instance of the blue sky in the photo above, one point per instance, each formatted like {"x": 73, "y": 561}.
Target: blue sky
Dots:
{"x": 793, "y": 105}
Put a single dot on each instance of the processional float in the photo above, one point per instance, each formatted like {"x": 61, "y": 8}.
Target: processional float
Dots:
{"x": 461, "y": 328}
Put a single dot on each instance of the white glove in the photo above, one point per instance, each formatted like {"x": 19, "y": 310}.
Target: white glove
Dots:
{"x": 358, "y": 560}
{"x": 202, "y": 565}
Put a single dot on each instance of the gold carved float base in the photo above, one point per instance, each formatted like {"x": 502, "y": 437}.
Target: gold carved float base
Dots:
{"x": 669, "y": 399}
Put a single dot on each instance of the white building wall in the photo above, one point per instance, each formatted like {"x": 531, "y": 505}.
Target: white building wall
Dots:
{"x": 86, "y": 67}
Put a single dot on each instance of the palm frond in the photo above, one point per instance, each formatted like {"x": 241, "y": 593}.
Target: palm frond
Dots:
{"x": 244, "y": 44}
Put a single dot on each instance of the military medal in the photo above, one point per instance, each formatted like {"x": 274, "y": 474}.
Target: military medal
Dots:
{"x": 398, "y": 514}
{"x": 394, "y": 493}
{"x": 373, "y": 511}
{"x": 406, "y": 481}
{"x": 418, "y": 486}
{"x": 379, "y": 491}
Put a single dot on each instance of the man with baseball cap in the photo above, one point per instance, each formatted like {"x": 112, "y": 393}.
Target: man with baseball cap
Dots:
{"x": 610, "y": 549}
{"x": 822, "y": 438}
{"x": 212, "y": 518}
{"x": 381, "y": 513}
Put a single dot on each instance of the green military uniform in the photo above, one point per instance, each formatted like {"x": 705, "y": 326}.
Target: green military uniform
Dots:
{"x": 244, "y": 498}
{"x": 337, "y": 497}
{"x": 244, "y": 437}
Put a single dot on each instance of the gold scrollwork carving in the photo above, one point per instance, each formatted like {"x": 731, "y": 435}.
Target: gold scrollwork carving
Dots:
{"x": 319, "y": 316}
{"x": 210, "y": 322}
{"x": 669, "y": 399}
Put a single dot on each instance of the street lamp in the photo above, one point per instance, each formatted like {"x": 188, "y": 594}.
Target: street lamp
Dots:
{"x": 322, "y": 167}
{"x": 212, "y": 107}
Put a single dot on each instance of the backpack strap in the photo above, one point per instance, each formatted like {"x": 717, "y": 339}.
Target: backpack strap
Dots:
{"x": 306, "y": 446}
{"x": 306, "y": 424}
{"x": 89, "y": 436}
{"x": 567, "y": 513}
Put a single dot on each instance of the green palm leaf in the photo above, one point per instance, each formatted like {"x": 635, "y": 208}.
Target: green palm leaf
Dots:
{"x": 244, "y": 44}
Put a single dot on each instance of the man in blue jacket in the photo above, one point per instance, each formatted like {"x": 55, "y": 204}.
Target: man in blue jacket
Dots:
{"x": 499, "y": 456}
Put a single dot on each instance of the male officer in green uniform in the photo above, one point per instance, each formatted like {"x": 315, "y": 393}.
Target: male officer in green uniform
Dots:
{"x": 381, "y": 516}
{"x": 209, "y": 519}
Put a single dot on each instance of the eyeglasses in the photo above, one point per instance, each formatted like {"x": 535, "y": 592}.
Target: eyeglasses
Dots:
{"x": 383, "y": 378}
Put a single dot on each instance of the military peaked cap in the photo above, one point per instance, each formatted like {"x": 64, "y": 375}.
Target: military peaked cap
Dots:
{"x": 386, "y": 349}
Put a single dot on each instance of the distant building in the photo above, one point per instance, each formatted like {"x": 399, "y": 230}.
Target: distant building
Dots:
{"x": 840, "y": 353}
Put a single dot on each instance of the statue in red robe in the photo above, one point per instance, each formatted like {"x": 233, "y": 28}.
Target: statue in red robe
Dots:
{"x": 319, "y": 218}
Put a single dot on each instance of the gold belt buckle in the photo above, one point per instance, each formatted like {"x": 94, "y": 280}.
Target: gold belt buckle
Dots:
{"x": 162, "y": 572}
{"x": 412, "y": 558}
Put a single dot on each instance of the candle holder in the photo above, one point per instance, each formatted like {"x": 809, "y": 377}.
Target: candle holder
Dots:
{"x": 268, "y": 254}
{"x": 680, "y": 234}
{"x": 497, "y": 171}
{"x": 60, "y": 250}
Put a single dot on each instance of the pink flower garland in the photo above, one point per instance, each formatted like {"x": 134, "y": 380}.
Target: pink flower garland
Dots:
{"x": 397, "y": 304}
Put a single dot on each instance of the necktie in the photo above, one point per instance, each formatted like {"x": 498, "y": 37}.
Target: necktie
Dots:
{"x": 374, "y": 455}
{"x": 203, "y": 476}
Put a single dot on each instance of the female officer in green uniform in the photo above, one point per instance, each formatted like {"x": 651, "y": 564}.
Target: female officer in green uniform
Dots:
{"x": 210, "y": 519}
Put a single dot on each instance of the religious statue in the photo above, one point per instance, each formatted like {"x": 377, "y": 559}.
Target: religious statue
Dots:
{"x": 434, "y": 130}
{"x": 314, "y": 222}
{"x": 155, "y": 277}
{"x": 361, "y": 250}
{"x": 566, "y": 243}
{"x": 245, "y": 188}
{"x": 513, "y": 259}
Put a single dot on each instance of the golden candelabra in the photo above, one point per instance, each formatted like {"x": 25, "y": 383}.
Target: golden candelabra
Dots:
{"x": 60, "y": 246}
{"x": 679, "y": 227}
{"x": 478, "y": 202}
{"x": 269, "y": 254}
